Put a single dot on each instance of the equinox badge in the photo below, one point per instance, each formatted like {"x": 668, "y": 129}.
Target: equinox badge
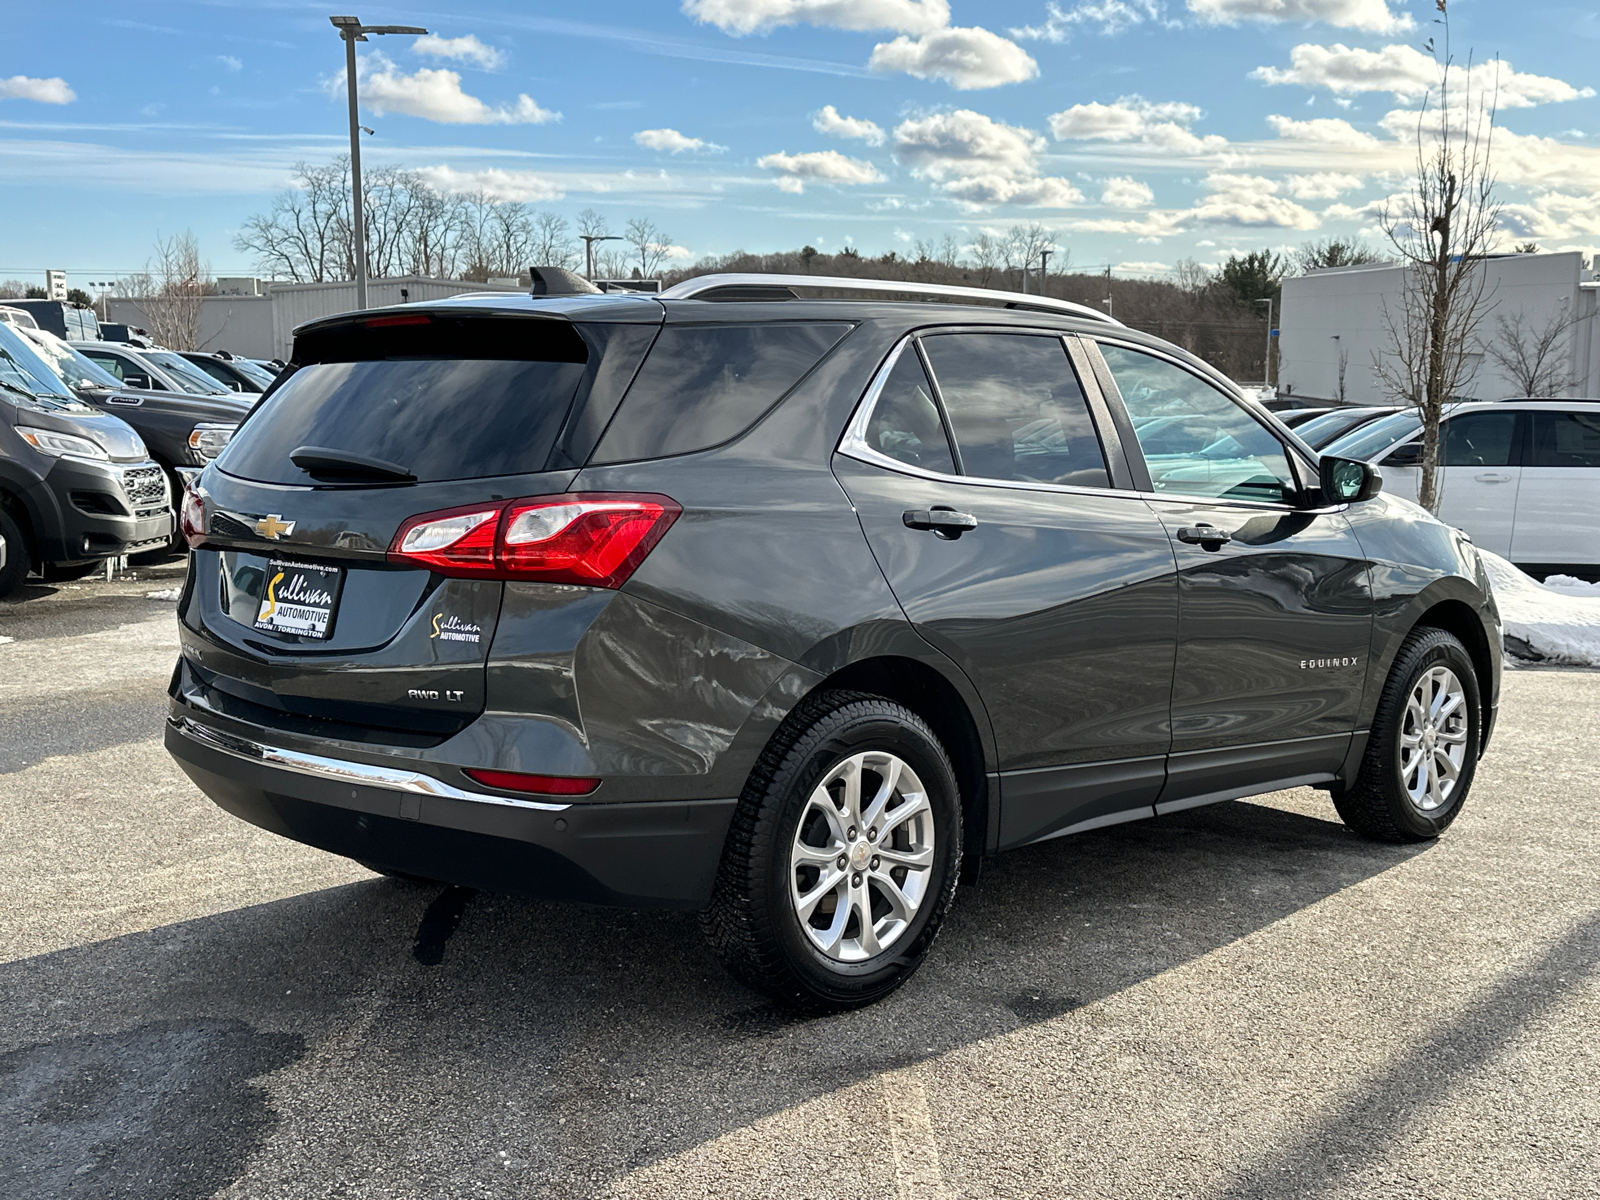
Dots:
{"x": 273, "y": 527}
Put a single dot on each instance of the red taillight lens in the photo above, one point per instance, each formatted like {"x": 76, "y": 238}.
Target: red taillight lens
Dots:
{"x": 192, "y": 517}
{"x": 592, "y": 538}
{"x": 539, "y": 785}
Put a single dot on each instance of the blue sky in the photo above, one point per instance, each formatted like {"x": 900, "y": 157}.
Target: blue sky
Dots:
{"x": 1140, "y": 131}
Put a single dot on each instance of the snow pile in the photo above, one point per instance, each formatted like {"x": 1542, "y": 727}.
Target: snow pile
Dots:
{"x": 1544, "y": 623}
{"x": 171, "y": 593}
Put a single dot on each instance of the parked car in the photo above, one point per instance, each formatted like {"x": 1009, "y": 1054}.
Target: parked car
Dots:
{"x": 235, "y": 374}
{"x": 1522, "y": 477}
{"x": 115, "y": 331}
{"x": 1293, "y": 417}
{"x": 17, "y": 317}
{"x": 76, "y": 485}
{"x": 150, "y": 370}
{"x": 182, "y": 431}
{"x": 1327, "y": 427}
{"x": 61, "y": 317}
{"x": 783, "y": 609}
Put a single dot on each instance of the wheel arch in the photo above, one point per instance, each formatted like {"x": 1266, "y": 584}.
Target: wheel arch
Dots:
{"x": 1457, "y": 618}
{"x": 933, "y": 697}
{"x": 19, "y": 511}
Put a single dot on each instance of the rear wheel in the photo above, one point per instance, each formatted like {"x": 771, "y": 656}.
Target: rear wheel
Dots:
{"x": 17, "y": 563}
{"x": 1423, "y": 750}
{"x": 842, "y": 858}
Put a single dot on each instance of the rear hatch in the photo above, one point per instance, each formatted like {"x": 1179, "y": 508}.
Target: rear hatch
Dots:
{"x": 297, "y": 611}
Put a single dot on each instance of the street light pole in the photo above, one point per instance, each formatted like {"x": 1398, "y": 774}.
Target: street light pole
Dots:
{"x": 1044, "y": 271}
{"x": 1266, "y": 363}
{"x": 352, "y": 31}
{"x": 589, "y": 239}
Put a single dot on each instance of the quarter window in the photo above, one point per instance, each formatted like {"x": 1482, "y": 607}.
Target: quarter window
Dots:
{"x": 1479, "y": 439}
{"x": 1567, "y": 439}
{"x": 905, "y": 421}
{"x": 1196, "y": 441}
{"x": 1016, "y": 409}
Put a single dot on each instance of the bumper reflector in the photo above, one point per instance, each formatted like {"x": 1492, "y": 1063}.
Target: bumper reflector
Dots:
{"x": 539, "y": 785}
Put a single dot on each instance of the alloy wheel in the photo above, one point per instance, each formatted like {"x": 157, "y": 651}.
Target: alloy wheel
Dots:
{"x": 1433, "y": 739}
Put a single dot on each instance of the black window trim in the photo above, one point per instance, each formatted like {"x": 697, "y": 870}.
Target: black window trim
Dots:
{"x": 1305, "y": 471}
{"x": 853, "y": 442}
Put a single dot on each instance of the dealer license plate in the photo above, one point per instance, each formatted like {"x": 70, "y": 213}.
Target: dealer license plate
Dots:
{"x": 299, "y": 598}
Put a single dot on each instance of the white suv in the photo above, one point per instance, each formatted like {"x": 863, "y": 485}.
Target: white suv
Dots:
{"x": 1522, "y": 477}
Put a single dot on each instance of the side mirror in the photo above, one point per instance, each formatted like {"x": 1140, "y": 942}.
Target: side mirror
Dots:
{"x": 1348, "y": 480}
{"x": 235, "y": 385}
{"x": 137, "y": 381}
{"x": 1407, "y": 455}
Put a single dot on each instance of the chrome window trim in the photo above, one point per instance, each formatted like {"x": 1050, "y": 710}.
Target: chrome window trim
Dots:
{"x": 854, "y": 444}
{"x": 342, "y": 770}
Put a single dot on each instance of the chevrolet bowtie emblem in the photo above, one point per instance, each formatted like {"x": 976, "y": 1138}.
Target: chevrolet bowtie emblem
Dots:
{"x": 273, "y": 527}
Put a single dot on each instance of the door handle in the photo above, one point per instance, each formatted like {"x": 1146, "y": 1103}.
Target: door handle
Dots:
{"x": 1490, "y": 477}
{"x": 946, "y": 523}
{"x": 1208, "y": 536}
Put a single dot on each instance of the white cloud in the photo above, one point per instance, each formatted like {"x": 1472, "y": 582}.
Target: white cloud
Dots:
{"x": 1321, "y": 185}
{"x": 1141, "y": 268}
{"x": 1409, "y": 75}
{"x": 230, "y": 62}
{"x": 673, "y": 142}
{"x": 964, "y": 58}
{"x": 1151, "y": 227}
{"x": 1122, "y": 191}
{"x": 1250, "y": 201}
{"x": 677, "y": 253}
{"x": 980, "y": 161}
{"x": 502, "y": 185}
{"x": 1134, "y": 119}
{"x": 45, "y": 91}
{"x": 740, "y": 17}
{"x": 1111, "y": 17}
{"x": 1326, "y": 131}
{"x": 461, "y": 49}
{"x": 1371, "y": 16}
{"x": 827, "y": 120}
{"x": 435, "y": 95}
{"x": 818, "y": 166}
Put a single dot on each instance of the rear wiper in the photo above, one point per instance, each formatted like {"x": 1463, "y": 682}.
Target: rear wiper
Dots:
{"x": 319, "y": 460}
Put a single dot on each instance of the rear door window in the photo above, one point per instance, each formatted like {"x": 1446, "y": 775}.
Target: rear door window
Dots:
{"x": 439, "y": 416}
{"x": 1016, "y": 409}
{"x": 703, "y": 385}
{"x": 1565, "y": 439}
{"x": 906, "y": 424}
{"x": 1479, "y": 439}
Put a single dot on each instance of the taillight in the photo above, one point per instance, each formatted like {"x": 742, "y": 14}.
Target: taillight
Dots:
{"x": 592, "y": 538}
{"x": 192, "y": 516}
{"x": 539, "y": 785}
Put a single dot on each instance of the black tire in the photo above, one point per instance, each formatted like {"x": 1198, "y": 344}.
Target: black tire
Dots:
{"x": 1378, "y": 805}
{"x": 18, "y": 563}
{"x": 752, "y": 923}
{"x": 67, "y": 572}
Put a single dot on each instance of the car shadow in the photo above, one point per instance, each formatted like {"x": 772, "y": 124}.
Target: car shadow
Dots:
{"x": 594, "y": 1041}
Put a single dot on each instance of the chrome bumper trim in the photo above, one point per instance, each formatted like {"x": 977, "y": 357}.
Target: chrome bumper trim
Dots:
{"x": 342, "y": 771}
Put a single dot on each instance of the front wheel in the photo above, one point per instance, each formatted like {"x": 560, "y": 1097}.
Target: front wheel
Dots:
{"x": 1423, "y": 750}
{"x": 842, "y": 858}
{"x": 16, "y": 565}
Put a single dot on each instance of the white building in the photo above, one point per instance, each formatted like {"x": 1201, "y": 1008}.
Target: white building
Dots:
{"x": 1341, "y": 312}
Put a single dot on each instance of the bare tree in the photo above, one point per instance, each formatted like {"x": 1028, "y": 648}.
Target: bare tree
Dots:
{"x": 552, "y": 243}
{"x": 305, "y": 236}
{"x": 1334, "y": 252}
{"x": 167, "y": 293}
{"x": 1344, "y": 364}
{"x": 1441, "y": 228}
{"x": 987, "y": 254}
{"x": 592, "y": 224}
{"x": 1023, "y": 244}
{"x": 649, "y": 244}
{"x": 1533, "y": 357}
{"x": 1193, "y": 276}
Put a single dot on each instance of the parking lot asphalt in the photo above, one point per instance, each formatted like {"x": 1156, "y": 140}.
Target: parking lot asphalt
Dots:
{"x": 1237, "y": 1001}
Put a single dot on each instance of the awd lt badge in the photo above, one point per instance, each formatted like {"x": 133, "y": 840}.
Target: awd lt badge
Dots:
{"x": 273, "y": 527}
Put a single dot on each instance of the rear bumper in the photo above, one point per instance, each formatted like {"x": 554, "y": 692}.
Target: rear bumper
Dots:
{"x": 658, "y": 854}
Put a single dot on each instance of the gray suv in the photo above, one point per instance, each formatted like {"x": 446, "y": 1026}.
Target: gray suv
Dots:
{"x": 783, "y": 606}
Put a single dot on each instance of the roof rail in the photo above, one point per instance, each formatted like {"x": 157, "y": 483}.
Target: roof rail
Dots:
{"x": 750, "y": 286}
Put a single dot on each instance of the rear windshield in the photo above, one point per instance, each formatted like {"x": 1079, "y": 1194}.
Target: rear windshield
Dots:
{"x": 703, "y": 385}
{"x": 439, "y": 418}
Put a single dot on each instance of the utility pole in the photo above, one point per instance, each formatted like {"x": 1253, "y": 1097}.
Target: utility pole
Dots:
{"x": 1266, "y": 363}
{"x": 1044, "y": 272}
{"x": 589, "y": 239}
{"x": 352, "y": 31}
{"x": 1110, "y": 308}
